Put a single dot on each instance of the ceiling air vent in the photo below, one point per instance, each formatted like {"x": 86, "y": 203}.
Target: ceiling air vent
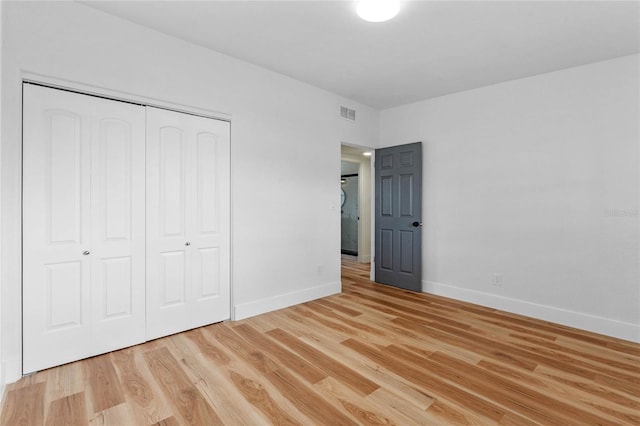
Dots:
{"x": 347, "y": 113}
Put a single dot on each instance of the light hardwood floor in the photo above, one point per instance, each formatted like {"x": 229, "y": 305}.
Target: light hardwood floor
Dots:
{"x": 371, "y": 355}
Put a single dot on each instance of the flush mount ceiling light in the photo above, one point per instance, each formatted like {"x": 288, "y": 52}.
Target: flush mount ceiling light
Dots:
{"x": 367, "y": 154}
{"x": 377, "y": 10}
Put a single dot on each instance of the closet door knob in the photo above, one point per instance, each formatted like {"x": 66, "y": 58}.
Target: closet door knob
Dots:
{"x": 86, "y": 252}
{"x": 187, "y": 243}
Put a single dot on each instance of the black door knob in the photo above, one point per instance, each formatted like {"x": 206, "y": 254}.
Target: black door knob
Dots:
{"x": 415, "y": 224}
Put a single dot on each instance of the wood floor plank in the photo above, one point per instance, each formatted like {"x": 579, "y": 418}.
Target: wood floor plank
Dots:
{"x": 24, "y": 406}
{"x": 338, "y": 327}
{"x": 122, "y": 414}
{"x": 430, "y": 381}
{"x": 582, "y": 385}
{"x": 332, "y": 366}
{"x": 353, "y": 302}
{"x": 180, "y": 391}
{"x": 341, "y": 318}
{"x": 484, "y": 348}
{"x": 70, "y": 410}
{"x": 374, "y": 372}
{"x": 210, "y": 351}
{"x": 407, "y": 309}
{"x": 372, "y": 354}
{"x": 533, "y": 404}
{"x": 104, "y": 387}
{"x": 63, "y": 381}
{"x": 256, "y": 394}
{"x": 451, "y": 414}
{"x": 359, "y": 407}
{"x": 294, "y": 321}
{"x": 241, "y": 388}
{"x": 363, "y": 366}
{"x": 216, "y": 383}
{"x": 302, "y": 368}
{"x": 402, "y": 410}
{"x": 338, "y": 307}
{"x": 236, "y": 344}
{"x": 169, "y": 421}
{"x": 601, "y": 350}
{"x": 360, "y": 364}
{"x": 310, "y": 403}
{"x": 139, "y": 386}
{"x": 624, "y": 366}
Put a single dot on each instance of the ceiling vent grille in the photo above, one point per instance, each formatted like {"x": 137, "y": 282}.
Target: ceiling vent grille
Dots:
{"x": 347, "y": 113}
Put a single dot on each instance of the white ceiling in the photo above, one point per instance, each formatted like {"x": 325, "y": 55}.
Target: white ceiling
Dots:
{"x": 430, "y": 49}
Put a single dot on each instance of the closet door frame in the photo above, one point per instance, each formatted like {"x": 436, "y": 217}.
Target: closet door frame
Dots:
{"x": 11, "y": 317}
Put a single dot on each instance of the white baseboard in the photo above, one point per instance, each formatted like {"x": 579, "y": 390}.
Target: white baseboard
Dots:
{"x": 606, "y": 326}
{"x": 365, "y": 258}
{"x": 257, "y": 307}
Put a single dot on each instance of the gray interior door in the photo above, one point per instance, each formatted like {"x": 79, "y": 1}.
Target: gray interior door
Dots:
{"x": 398, "y": 227}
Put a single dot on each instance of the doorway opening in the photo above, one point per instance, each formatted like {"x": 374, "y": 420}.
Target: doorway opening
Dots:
{"x": 356, "y": 203}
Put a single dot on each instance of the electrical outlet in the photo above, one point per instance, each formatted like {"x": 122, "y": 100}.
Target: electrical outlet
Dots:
{"x": 497, "y": 280}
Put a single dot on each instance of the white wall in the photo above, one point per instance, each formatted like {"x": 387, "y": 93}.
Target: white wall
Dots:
{"x": 285, "y": 143}
{"x": 535, "y": 179}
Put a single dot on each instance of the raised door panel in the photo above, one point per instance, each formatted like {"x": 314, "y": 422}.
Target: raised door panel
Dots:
{"x": 63, "y": 168}
{"x": 207, "y": 205}
{"x": 206, "y": 274}
{"x": 405, "y": 194}
{"x": 406, "y": 252}
{"x": 56, "y": 184}
{"x": 386, "y": 196}
{"x": 63, "y": 296}
{"x": 173, "y": 186}
{"x": 117, "y": 288}
{"x": 116, "y": 178}
{"x": 172, "y": 279}
{"x": 385, "y": 260}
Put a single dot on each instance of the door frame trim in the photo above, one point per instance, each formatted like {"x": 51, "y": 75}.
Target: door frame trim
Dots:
{"x": 116, "y": 95}
{"x": 362, "y": 161}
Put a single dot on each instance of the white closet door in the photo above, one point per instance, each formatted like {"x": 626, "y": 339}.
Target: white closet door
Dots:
{"x": 188, "y": 207}
{"x": 83, "y": 226}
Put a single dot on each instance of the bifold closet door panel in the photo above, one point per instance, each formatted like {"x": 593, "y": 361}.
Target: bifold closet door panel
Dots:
{"x": 188, "y": 221}
{"x": 83, "y": 226}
